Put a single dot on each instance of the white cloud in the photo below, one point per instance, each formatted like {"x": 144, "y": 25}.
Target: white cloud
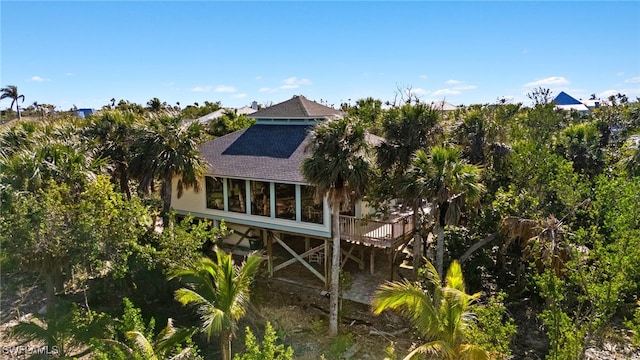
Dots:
{"x": 417, "y": 92}
{"x": 605, "y": 94}
{"x": 294, "y": 83}
{"x": 258, "y": 77}
{"x": 550, "y": 81}
{"x": 239, "y": 96}
{"x": 38, "y": 79}
{"x": 633, "y": 80}
{"x": 267, "y": 90}
{"x": 423, "y": 77}
{"x": 525, "y": 51}
{"x": 619, "y": 73}
{"x": 201, "y": 88}
{"x": 465, "y": 87}
{"x": 68, "y": 74}
{"x": 629, "y": 92}
{"x": 452, "y": 82}
{"x": 225, "y": 89}
{"x": 445, "y": 92}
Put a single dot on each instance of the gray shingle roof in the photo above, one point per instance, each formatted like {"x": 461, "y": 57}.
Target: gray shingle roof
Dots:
{"x": 298, "y": 107}
{"x": 270, "y": 152}
{"x": 262, "y": 157}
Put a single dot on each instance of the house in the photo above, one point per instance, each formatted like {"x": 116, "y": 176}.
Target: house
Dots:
{"x": 443, "y": 106}
{"x": 83, "y": 113}
{"x": 565, "y": 101}
{"x": 245, "y": 110}
{"x": 254, "y": 182}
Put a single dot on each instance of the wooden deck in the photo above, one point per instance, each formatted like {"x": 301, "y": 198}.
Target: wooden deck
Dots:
{"x": 378, "y": 233}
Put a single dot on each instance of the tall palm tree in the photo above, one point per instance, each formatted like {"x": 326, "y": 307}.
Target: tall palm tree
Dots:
{"x": 442, "y": 314}
{"x": 11, "y": 92}
{"x": 340, "y": 170}
{"x": 448, "y": 182}
{"x": 220, "y": 290}
{"x": 113, "y": 133}
{"x": 168, "y": 148}
{"x": 407, "y": 128}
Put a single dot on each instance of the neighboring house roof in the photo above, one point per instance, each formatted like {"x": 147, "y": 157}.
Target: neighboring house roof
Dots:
{"x": 298, "y": 107}
{"x": 594, "y": 103}
{"x": 82, "y": 113}
{"x": 565, "y": 99}
{"x": 443, "y": 106}
{"x": 245, "y": 110}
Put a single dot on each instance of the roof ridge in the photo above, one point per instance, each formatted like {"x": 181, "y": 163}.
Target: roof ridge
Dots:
{"x": 301, "y": 98}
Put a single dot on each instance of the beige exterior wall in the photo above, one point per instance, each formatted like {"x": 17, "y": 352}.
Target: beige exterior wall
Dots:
{"x": 190, "y": 200}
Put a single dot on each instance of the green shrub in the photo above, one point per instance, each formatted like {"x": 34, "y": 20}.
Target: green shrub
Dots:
{"x": 494, "y": 328}
{"x": 634, "y": 324}
{"x": 267, "y": 350}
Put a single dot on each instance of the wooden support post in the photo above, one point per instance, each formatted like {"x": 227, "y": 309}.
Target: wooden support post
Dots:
{"x": 372, "y": 260}
{"x": 327, "y": 262}
{"x": 391, "y": 256}
{"x": 267, "y": 238}
{"x": 307, "y": 243}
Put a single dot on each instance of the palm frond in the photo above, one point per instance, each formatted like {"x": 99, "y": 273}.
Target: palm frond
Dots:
{"x": 471, "y": 352}
{"x": 433, "y": 349}
{"x": 142, "y": 344}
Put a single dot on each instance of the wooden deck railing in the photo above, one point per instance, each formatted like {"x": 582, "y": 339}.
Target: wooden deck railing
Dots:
{"x": 384, "y": 234}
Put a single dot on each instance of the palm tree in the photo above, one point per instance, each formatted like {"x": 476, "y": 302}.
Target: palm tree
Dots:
{"x": 168, "y": 148}
{"x": 59, "y": 330}
{"x": 442, "y": 314}
{"x": 448, "y": 182}
{"x": 630, "y": 160}
{"x": 11, "y": 92}
{"x": 220, "y": 290}
{"x": 155, "y": 105}
{"x": 406, "y": 128}
{"x": 339, "y": 169}
{"x": 545, "y": 241}
{"x": 163, "y": 346}
{"x": 113, "y": 132}
{"x": 53, "y": 152}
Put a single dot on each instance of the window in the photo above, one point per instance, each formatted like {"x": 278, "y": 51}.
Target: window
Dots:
{"x": 237, "y": 195}
{"x": 260, "y": 198}
{"x": 285, "y": 201}
{"x": 311, "y": 211}
{"x": 214, "y": 189}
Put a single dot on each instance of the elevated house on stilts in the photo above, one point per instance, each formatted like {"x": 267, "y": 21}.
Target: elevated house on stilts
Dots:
{"x": 255, "y": 184}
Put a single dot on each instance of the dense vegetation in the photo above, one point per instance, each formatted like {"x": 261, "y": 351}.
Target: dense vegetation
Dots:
{"x": 527, "y": 202}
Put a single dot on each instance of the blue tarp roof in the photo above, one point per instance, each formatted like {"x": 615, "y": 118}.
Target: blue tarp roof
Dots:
{"x": 565, "y": 99}
{"x": 269, "y": 140}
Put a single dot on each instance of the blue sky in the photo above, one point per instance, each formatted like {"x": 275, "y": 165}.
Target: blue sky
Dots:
{"x": 85, "y": 52}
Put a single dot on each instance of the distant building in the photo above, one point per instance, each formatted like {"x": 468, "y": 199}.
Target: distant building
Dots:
{"x": 245, "y": 110}
{"x": 567, "y": 102}
{"x": 443, "y": 106}
{"x": 83, "y": 113}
